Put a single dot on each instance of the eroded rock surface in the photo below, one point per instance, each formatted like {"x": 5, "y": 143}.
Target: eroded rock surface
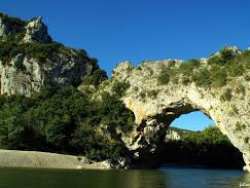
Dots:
{"x": 30, "y": 59}
{"x": 156, "y": 105}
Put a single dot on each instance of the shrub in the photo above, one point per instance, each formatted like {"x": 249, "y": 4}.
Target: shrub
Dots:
{"x": 194, "y": 63}
{"x": 236, "y": 69}
{"x": 164, "y": 77}
{"x": 96, "y": 78}
{"x": 185, "y": 80}
{"x": 227, "y": 54}
{"x": 246, "y": 140}
{"x": 227, "y": 95}
{"x": 216, "y": 59}
{"x": 152, "y": 93}
{"x": 241, "y": 90}
{"x": 238, "y": 127}
{"x": 119, "y": 88}
{"x": 142, "y": 95}
{"x": 202, "y": 78}
{"x": 13, "y": 22}
{"x": 10, "y": 47}
{"x": 219, "y": 76}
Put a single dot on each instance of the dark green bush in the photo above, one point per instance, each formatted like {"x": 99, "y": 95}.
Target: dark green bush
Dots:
{"x": 164, "y": 76}
{"x": 119, "y": 88}
{"x": 10, "y": 47}
{"x": 218, "y": 76}
{"x": 216, "y": 59}
{"x": 49, "y": 121}
{"x": 227, "y": 54}
{"x": 202, "y": 78}
{"x": 227, "y": 95}
{"x": 13, "y": 22}
{"x": 152, "y": 93}
{"x": 187, "y": 68}
{"x": 97, "y": 77}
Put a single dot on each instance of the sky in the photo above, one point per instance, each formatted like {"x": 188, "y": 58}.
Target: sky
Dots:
{"x": 136, "y": 30}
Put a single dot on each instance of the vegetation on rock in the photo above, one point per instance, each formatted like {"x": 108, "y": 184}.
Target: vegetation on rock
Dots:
{"x": 13, "y": 22}
{"x": 12, "y": 46}
{"x": 221, "y": 67}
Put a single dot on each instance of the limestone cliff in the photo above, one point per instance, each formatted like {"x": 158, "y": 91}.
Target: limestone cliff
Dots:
{"x": 29, "y": 59}
{"x": 160, "y": 91}
{"x": 172, "y": 135}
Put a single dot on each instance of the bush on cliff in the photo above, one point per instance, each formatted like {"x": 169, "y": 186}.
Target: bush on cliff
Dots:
{"x": 221, "y": 67}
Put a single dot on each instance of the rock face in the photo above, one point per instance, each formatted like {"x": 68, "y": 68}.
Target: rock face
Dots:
{"x": 34, "y": 60}
{"x": 156, "y": 105}
{"x": 36, "y": 31}
{"x": 59, "y": 71}
{"x": 172, "y": 135}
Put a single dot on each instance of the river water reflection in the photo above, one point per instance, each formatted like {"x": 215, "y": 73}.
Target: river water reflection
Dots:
{"x": 161, "y": 178}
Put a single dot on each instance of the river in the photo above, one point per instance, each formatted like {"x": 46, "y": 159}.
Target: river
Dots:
{"x": 161, "y": 178}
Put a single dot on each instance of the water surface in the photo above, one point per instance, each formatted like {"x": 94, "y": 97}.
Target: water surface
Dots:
{"x": 162, "y": 178}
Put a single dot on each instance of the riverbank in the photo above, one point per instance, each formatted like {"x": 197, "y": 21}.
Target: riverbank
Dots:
{"x": 35, "y": 159}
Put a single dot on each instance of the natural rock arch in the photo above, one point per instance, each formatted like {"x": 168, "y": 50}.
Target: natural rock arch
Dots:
{"x": 155, "y": 105}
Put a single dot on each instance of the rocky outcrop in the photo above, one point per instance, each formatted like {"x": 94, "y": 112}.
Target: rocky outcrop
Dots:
{"x": 172, "y": 135}
{"x": 34, "y": 30}
{"x": 3, "y": 28}
{"x": 37, "y": 31}
{"x": 58, "y": 71}
{"x": 156, "y": 105}
{"x": 33, "y": 60}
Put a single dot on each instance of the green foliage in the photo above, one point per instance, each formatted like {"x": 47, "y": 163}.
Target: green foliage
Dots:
{"x": 218, "y": 76}
{"x": 221, "y": 67}
{"x": 114, "y": 113}
{"x": 164, "y": 76}
{"x": 223, "y": 57}
{"x": 227, "y": 95}
{"x": 152, "y": 93}
{"x": 202, "y": 78}
{"x": 187, "y": 68}
{"x": 241, "y": 89}
{"x": 12, "y": 46}
{"x": 208, "y": 147}
{"x": 227, "y": 54}
{"x": 119, "y": 88}
{"x": 49, "y": 121}
{"x": 142, "y": 94}
{"x": 193, "y": 63}
{"x": 217, "y": 60}
{"x": 246, "y": 140}
{"x": 97, "y": 77}
{"x": 11, "y": 131}
{"x": 238, "y": 127}
{"x": 13, "y": 22}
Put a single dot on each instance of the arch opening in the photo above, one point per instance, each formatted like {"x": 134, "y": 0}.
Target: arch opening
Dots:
{"x": 172, "y": 138}
{"x": 193, "y": 140}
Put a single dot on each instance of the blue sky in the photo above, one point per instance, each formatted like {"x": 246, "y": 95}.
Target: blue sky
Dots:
{"x": 137, "y": 30}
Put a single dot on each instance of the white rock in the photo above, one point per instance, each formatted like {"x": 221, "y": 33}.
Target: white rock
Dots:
{"x": 155, "y": 113}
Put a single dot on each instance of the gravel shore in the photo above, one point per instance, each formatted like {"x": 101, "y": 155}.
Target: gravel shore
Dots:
{"x": 34, "y": 159}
